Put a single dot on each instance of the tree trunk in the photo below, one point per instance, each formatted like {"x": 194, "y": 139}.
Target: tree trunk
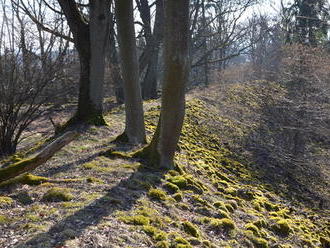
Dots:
{"x": 149, "y": 83}
{"x": 89, "y": 40}
{"x": 134, "y": 127}
{"x": 116, "y": 77}
{"x": 27, "y": 165}
{"x": 176, "y": 45}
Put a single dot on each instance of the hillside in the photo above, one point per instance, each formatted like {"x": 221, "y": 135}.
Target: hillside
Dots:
{"x": 94, "y": 193}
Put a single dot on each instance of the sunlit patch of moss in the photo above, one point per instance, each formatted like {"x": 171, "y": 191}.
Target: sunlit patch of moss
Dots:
{"x": 172, "y": 188}
{"x": 257, "y": 242}
{"x": 72, "y": 204}
{"x": 154, "y": 233}
{"x": 190, "y": 229}
{"x": 94, "y": 180}
{"x": 33, "y": 218}
{"x": 27, "y": 179}
{"x": 30, "y": 227}
{"x": 179, "y": 181}
{"x": 260, "y": 223}
{"x": 5, "y": 201}
{"x": 222, "y": 214}
{"x": 253, "y": 228}
{"x": 57, "y": 194}
{"x": 281, "y": 227}
{"x": 222, "y": 224}
{"x": 162, "y": 244}
{"x": 157, "y": 194}
{"x": 220, "y": 205}
{"x": 4, "y": 220}
{"x": 138, "y": 220}
{"x": 183, "y": 206}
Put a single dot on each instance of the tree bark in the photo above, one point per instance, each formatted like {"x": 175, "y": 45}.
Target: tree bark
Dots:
{"x": 153, "y": 42}
{"x": 176, "y": 62}
{"x": 134, "y": 127}
{"x": 89, "y": 40}
{"x": 116, "y": 77}
{"x": 27, "y": 165}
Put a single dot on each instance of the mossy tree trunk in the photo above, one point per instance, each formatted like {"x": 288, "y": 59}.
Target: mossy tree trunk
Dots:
{"x": 90, "y": 40}
{"x": 134, "y": 127}
{"x": 162, "y": 149}
{"x": 27, "y": 165}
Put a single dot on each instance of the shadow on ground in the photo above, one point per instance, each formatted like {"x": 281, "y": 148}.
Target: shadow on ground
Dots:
{"x": 122, "y": 196}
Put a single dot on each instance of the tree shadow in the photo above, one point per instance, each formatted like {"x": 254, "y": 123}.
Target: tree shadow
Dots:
{"x": 122, "y": 196}
{"x": 281, "y": 149}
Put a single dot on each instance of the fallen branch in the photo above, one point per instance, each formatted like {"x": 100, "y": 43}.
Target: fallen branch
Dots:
{"x": 30, "y": 164}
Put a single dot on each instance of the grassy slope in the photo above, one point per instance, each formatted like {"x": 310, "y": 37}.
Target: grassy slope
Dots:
{"x": 106, "y": 200}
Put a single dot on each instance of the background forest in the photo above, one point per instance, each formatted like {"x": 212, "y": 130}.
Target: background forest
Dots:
{"x": 164, "y": 123}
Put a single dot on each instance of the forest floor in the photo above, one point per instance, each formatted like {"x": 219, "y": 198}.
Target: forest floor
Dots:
{"x": 94, "y": 194}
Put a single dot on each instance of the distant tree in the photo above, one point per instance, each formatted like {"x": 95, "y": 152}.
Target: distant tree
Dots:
{"x": 153, "y": 39}
{"x": 307, "y": 21}
{"x": 162, "y": 148}
{"x": 134, "y": 126}
{"x": 31, "y": 66}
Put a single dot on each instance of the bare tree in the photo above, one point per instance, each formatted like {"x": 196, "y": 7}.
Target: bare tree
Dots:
{"x": 134, "y": 128}
{"x": 153, "y": 39}
{"x": 162, "y": 149}
{"x": 89, "y": 26}
{"x": 29, "y": 66}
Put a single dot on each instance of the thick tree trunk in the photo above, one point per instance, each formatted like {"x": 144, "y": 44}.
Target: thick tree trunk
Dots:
{"x": 134, "y": 128}
{"x": 27, "y": 165}
{"x": 163, "y": 146}
{"x": 89, "y": 40}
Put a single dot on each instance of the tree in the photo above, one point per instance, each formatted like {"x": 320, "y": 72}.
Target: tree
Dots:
{"x": 31, "y": 64}
{"x": 90, "y": 40}
{"x": 134, "y": 126}
{"x": 153, "y": 39}
{"x": 161, "y": 150}
{"x": 306, "y": 21}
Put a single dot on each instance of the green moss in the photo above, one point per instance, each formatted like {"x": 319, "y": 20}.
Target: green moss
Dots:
{"x": 57, "y": 195}
{"x": 72, "y": 204}
{"x": 157, "y": 194}
{"x": 33, "y": 218}
{"x": 229, "y": 207}
{"x": 138, "y": 220}
{"x": 281, "y": 227}
{"x": 5, "y": 201}
{"x": 253, "y": 228}
{"x": 179, "y": 181}
{"x": 190, "y": 229}
{"x": 4, "y": 219}
{"x": 27, "y": 179}
{"x": 180, "y": 242}
{"x": 220, "y": 205}
{"x": 94, "y": 180}
{"x": 222, "y": 214}
{"x": 162, "y": 244}
{"x": 260, "y": 223}
{"x": 34, "y": 228}
{"x": 155, "y": 233}
{"x": 172, "y": 188}
{"x": 222, "y": 224}
{"x": 257, "y": 242}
